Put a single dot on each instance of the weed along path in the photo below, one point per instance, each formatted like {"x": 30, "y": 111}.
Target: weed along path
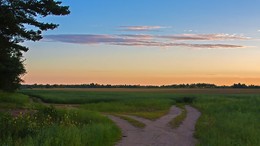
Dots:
{"x": 159, "y": 132}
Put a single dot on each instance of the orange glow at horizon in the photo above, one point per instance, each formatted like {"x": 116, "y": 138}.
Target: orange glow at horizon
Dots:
{"x": 139, "y": 80}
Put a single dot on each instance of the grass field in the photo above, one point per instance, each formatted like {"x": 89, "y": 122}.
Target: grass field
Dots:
{"x": 144, "y": 104}
{"x": 231, "y": 120}
{"x": 229, "y": 116}
{"x": 13, "y": 100}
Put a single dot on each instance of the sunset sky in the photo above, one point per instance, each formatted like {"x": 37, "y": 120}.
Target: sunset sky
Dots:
{"x": 149, "y": 42}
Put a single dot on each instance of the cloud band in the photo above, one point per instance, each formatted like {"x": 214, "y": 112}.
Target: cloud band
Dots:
{"x": 149, "y": 40}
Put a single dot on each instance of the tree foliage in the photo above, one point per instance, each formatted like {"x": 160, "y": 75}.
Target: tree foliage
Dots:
{"x": 19, "y": 22}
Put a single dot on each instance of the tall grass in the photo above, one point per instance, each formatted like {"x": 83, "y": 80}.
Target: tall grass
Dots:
{"x": 231, "y": 120}
{"x": 87, "y": 135}
{"x": 13, "y": 100}
{"x": 50, "y": 126}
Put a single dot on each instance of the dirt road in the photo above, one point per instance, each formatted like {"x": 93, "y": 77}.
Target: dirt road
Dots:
{"x": 158, "y": 132}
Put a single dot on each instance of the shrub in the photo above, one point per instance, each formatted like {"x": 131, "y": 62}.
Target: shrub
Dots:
{"x": 186, "y": 99}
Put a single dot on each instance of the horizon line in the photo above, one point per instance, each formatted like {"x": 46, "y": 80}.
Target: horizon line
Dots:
{"x": 145, "y": 85}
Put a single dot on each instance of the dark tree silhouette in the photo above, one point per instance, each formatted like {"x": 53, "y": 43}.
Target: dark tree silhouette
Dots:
{"x": 239, "y": 85}
{"x": 19, "y": 21}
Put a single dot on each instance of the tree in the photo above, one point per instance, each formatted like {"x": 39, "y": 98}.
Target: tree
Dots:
{"x": 18, "y": 23}
{"x": 239, "y": 85}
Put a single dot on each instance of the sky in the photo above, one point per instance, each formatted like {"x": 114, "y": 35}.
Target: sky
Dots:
{"x": 149, "y": 42}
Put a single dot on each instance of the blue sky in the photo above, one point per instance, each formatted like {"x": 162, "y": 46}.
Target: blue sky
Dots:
{"x": 102, "y": 16}
{"x": 150, "y": 42}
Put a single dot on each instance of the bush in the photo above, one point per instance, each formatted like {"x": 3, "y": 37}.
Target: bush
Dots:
{"x": 186, "y": 99}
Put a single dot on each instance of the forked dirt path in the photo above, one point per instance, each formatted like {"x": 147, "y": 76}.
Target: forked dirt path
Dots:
{"x": 158, "y": 132}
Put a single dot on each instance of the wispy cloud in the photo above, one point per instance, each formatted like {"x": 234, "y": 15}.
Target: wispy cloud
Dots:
{"x": 140, "y": 28}
{"x": 206, "y": 37}
{"x": 258, "y": 30}
{"x": 189, "y": 30}
{"x": 86, "y": 38}
{"x": 149, "y": 40}
{"x": 168, "y": 45}
{"x": 191, "y": 37}
{"x": 138, "y": 36}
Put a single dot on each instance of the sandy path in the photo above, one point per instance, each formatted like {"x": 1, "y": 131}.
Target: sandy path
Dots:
{"x": 159, "y": 133}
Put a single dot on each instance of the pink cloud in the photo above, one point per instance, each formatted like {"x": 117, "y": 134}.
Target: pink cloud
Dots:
{"x": 140, "y": 28}
{"x": 206, "y": 37}
{"x": 168, "y": 45}
{"x": 86, "y": 38}
{"x": 146, "y": 40}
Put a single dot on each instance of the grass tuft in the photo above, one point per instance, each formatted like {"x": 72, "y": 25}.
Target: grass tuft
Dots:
{"x": 131, "y": 121}
{"x": 177, "y": 121}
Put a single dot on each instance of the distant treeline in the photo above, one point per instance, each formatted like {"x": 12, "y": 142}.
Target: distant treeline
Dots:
{"x": 95, "y": 85}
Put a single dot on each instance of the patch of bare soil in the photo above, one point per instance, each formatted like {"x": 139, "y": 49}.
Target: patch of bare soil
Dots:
{"x": 158, "y": 132}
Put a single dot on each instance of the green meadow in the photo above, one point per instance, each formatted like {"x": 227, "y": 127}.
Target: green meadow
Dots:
{"x": 144, "y": 104}
{"x": 227, "y": 119}
{"x": 231, "y": 120}
{"x": 13, "y": 100}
